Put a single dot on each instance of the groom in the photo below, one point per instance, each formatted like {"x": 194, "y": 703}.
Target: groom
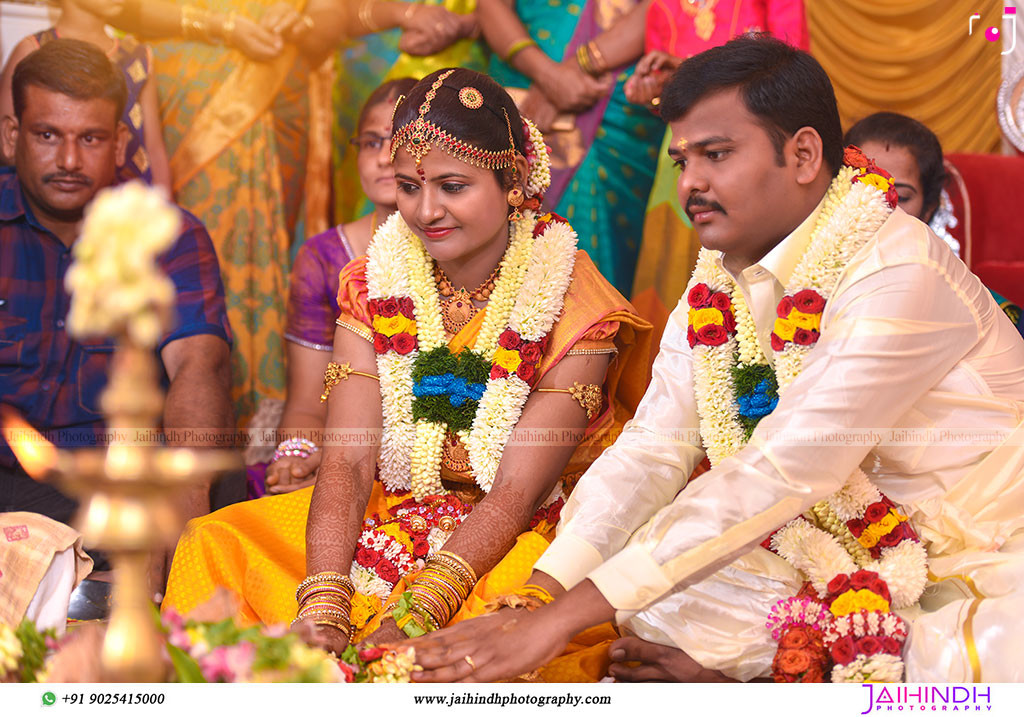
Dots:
{"x": 909, "y": 339}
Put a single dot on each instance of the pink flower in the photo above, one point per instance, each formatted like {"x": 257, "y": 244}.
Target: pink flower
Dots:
{"x": 228, "y": 663}
{"x": 347, "y": 671}
{"x": 699, "y": 296}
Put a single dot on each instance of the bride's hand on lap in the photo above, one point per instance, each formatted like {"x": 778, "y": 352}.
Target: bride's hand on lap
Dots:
{"x": 325, "y": 637}
{"x": 500, "y": 646}
{"x": 292, "y": 473}
{"x": 387, "y": 634}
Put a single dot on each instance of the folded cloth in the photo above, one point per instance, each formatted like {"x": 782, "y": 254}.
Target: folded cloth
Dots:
{"x": 29, "y": 545}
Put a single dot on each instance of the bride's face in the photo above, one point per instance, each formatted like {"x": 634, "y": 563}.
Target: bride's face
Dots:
{"x": 456, "y": 209}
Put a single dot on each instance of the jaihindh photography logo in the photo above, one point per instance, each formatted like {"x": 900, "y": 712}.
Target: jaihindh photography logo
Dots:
{"x": 948, "y": 698}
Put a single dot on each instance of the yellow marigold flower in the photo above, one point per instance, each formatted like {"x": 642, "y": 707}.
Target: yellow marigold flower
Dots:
{"x": 868, "y": 539}
{"x": 877, "y": 181}
{"x": 508, "y": 360}
{"x": 850, "y": 602}
{"x": 887, "y": 523}
{"x": 811, "y": 322}
{"x": 785, "y": 328}
{"x": 703, "y": 317}
{"x": 393, "y": 325}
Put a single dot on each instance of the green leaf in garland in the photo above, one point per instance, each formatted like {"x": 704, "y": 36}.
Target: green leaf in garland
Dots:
{"x": 468, "y": 365}
{"x": 186, "y": 669}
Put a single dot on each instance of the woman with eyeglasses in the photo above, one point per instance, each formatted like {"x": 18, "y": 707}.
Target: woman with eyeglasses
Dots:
{"x": 313, "y": 303}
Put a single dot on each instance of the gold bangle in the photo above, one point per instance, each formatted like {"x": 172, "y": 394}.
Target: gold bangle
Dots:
{"x": 538, "y": 592}
{"x": 588, "y": 396}
{"x": 194, "y": 23}
{"x": 583, "y": 60}
{"x": 518, "y": 46}
{"x": 338, "y": 372}
{"x": 459, "y": 563}
{"x": 600, "y": 66}
{"x": 227, "y": 29}
{"x": 366, "y": 16}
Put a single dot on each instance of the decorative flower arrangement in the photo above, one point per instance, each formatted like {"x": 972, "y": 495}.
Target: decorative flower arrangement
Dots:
{"x": 478, "y": 394}
{"x": 115, "y": 282}
{"x": 389, "y": 549}
{"x": 860, "y": 555}
{"x": 213, "y": 652}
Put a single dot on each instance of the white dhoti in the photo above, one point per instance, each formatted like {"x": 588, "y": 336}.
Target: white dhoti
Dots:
{"x": 969, "y": 625}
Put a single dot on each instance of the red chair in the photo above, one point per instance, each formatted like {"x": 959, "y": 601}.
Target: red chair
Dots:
{"x": 987, "y": 191}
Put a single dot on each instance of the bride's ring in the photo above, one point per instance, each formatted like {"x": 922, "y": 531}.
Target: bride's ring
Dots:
{"x": 469, "y": 661}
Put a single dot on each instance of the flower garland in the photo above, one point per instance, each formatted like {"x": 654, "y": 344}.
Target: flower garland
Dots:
{"x": 479, "y": 394}
{"x": 865, "y": 558}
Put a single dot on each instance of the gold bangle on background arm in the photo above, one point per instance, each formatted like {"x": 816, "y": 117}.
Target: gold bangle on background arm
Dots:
{"x": 518, "y": 46}
{"x": 338, "y": 372}
{"x": 596, "y": 57}
{"x": 227, "y": 29}
{"x": 366, "y": 16}
{"x": 588, "y": 396}
{"x": 195, "y": 23}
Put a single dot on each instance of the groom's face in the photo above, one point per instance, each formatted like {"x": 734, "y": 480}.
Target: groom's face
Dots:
{"x": 734, "y": 184}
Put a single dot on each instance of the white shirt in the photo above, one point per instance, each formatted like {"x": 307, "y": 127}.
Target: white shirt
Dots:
{"x": 910, "y": 341}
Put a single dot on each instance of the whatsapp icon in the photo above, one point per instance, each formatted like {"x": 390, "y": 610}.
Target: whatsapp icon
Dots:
{"x": 49, "y": 698}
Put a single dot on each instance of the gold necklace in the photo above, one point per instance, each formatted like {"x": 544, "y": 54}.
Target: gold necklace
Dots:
{"x": 458, "y": 309}
{"x": 704, "y": 22}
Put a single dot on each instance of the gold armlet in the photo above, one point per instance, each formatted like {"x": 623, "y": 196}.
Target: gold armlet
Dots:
{"x": 338, "y": 372}
{"x": 588, "y": 396}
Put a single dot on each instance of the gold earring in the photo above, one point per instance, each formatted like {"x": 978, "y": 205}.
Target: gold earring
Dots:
{"x": 515, "y": 198}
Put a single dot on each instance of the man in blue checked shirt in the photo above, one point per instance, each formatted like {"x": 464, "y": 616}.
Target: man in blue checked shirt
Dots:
{"x": 67, "y": 143}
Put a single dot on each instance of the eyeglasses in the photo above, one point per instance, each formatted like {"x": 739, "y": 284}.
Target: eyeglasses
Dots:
{"x": 369, "y": 142}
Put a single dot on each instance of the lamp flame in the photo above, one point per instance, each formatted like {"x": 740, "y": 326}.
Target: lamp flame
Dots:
{"x": 36, "y": 454}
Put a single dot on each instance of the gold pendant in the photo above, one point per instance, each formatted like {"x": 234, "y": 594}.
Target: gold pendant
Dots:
{"x": 454, "y": 455}
{"x": 704, "y": 23}
{"x": 458, "y": 311}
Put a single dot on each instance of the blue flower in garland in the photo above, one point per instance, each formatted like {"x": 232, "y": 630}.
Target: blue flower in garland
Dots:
{"x": 760, "y": 402}
{"x": 458, "y": 390}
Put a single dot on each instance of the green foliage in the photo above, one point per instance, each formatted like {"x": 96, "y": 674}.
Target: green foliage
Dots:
{"x": 185, "y": 668}
{"x": 467, "y": 365}
{"x": 33, "y": 649}
{"x": 745, "y": 380}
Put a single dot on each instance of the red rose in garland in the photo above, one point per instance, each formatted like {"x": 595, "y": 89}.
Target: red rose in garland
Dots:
{"x": 784, "y": 307}
{"x": 510, "y": 340}
{"x": 721, "y": 301}
{"x": 407, "y": 307}
{"x": 371, "y": 653}
{"x": 388, "y": 308}
{"x": 531, "y": 351}
{"x": 691, "y": 336}
{"x": 869, "y": 645}
{"x": 381, "y": 343}
{"x": 795, "y": 638}
{"x": 387, "y": 570}
{"x": 839, "y": 584}
{"x": 498, "y": 372}
{"x": 808, "y": 301}
{"x": 803, "y": 337}
{"x": 420, "y": 548}
{"x": 367, "y": 557}
{"x": 876, "y": 511}
{"x": 843, "y": 650}
{"x": 403, "y": 343}
{"x": 729, "y": 321}
{"x": 863, "y": 579}
{"x": 526, "y": 371}
{"x": 699, "y": 296}
{"x": 777, "y": 343}
{"x": 856, "y": 527}
{"x": 712, "y": 335}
